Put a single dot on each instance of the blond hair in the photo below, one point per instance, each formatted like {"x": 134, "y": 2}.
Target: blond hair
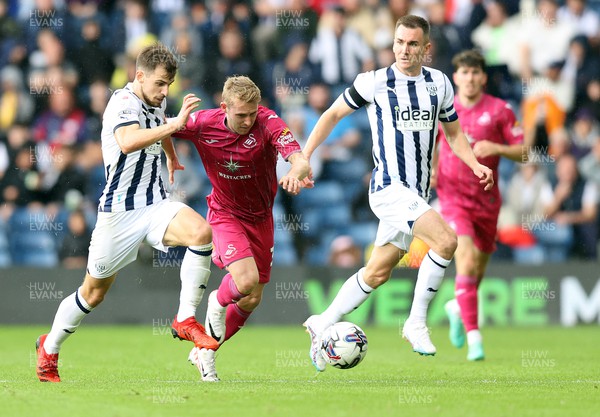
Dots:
{"x": 242, "y": 88}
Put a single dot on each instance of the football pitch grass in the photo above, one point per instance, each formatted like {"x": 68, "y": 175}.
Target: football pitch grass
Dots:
{"x": 142, "y": 371}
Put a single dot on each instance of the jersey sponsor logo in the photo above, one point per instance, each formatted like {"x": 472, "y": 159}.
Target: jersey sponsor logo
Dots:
{"x": 285, "y": 137}
{"x": 154, "y": 149}
{"x": 414, "y": 119}
{"x": 124, "y": 114}
{"x": 231, "y": 250}
{"x": 250, "y": 142}
{"x": 431, "y": 89}
{"x": 231, "y": 165}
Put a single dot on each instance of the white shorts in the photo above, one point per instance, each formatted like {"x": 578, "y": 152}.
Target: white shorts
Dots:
{"x": 397, "y": 208}
{"x": 117, "y": 236}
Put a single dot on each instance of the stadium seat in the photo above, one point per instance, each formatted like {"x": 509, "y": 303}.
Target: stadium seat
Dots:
{"x": 32, "y": 237}
{"x": 284, "y": 254}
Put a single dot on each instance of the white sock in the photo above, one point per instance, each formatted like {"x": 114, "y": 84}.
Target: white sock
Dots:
{"x": 352, "y": 294}
{"x": 474, "y": 336}
{"x": 194, "y": 274}
{"x": 429, "y": 279}
{"x": 68, "y": 316}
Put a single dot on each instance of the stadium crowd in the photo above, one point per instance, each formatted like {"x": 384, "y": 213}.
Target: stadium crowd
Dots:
{"x": 61, "y": 59}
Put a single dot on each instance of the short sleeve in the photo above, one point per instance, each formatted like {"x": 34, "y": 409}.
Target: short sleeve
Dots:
{"x": 362, "y": 90}
{"x": 192, "y": 127}
{"x": 512, "y": 132}
{"x": 280, "y": 135}
{"x": 447, "y": 111}
{"x": 125, "y": 110}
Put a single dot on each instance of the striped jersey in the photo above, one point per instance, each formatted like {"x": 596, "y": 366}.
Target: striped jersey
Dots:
{"x": 403, "y": 113}
{"x": 133, "y": 180}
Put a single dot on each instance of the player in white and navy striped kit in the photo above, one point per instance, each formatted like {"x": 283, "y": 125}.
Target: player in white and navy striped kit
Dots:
{"x": 404, "y": 103}
{"x": 134, "y": 207}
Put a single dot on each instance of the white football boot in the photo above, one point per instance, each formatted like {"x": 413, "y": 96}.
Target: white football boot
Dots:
{"x": 315, "y": 329}
{"x": 204, "y": 360}
{"x": 215, "y": 318}
{"x": 418, "y": 336}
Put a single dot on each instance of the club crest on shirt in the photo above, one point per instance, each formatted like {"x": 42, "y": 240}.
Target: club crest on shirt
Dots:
{"x": 431, "y": 89}
{"x": 250, "y": 142}
{"x": 485, "y": 119}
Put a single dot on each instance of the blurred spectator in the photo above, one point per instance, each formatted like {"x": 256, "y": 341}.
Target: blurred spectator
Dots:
{"x": 535, "y": 34}
{"x": 344, "y": 253}
{"x": 40, "y": 16}
{"x": 16, "y": 106}
{"x": 297, "y": 23}
{"x": 96, "y": 99}
{"x": 62, "y": 177}
{"x": 445, "y": 38}
{"x": 10, "y": 35}
{"x": 340, "y": 52}
{"x": 592, "y": 99}
{"x": 546, "y": 100}
{"x": 73, "y": 251}
{"x": 21, "y": 182}
{"x": 292, "y": 78}
{"x": 131, "y": 25}
{"x": 400, "y": 8}
{"x": 188, "y": 184}
{"x": 494, "y": 36}
{"x": 372, "y": 20}
{"x": 580, "y": 68}
{"x": 232, "y": 60}
{"x": 584, "y": 133}
{"x": 338, "y": 151}
{"x": 182, "y": 23}
{"x": 589, "y": 165}
{"x": 522, "y": 212}
{"x": 570, "y": 210}
{"x": 585, "y": 19}
{"x": 62, "y": 123}
{"x": 192, "y": 68}
{"x": 162, "y": 12}
{"x": 93, "y": 61}
{"x": 264, "y": 34}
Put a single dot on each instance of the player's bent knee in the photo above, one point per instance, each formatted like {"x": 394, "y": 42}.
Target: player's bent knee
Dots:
{"x": 201, "y": 234}
{"x": 376, "y": 278}
{"x": 246, "y": 282}
{"x": 250, "y": 302}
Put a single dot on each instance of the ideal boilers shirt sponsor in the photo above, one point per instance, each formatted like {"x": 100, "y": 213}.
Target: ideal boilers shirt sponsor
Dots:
{"x": 239, "y": 166}
{"x": 132, "y": 180}
{"x": 403, "y": 113}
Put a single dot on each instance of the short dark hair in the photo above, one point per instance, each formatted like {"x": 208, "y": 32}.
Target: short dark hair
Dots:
{"x": 470, "y": 59}
{"x": 154, "y": 56}
{"x": 414, "y": 22}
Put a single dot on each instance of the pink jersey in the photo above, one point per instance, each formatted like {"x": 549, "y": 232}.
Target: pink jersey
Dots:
{"x": 490, "y": 119}
{"x": 241, "y": 168}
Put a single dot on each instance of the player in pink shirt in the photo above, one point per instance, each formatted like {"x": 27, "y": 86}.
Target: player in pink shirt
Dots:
{"x": 491, "y": 127}
{"x": 239, "y": 143}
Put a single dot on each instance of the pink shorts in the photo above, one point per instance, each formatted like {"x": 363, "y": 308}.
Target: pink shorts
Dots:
{"x": 482, "y": 229}
{"x": 234, "y": 239}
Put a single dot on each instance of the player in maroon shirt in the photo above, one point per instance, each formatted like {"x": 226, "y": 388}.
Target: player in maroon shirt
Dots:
{"x": 490, "y": 126}
{"x": 239, "y": 143}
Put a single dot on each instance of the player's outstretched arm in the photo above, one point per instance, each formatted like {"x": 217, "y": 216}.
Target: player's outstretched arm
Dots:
{"x": 132, "y": 138}
{"x": 485, "y": 148}
{"x": 172, "y": 159}
{"x": 461, "y": 148}
{"x": 298, "y": 175}
{"x": 338, "y": 110}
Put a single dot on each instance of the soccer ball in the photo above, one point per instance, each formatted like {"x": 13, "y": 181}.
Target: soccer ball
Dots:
{"x": 343, "y": 345}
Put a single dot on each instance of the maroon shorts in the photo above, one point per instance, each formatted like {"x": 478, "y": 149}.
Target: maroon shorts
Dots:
{"x": 481, "y": 228}
{"x": 235, "y": 239}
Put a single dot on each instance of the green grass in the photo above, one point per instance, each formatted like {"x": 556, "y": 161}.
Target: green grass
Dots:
{"x": 140, "y": 371}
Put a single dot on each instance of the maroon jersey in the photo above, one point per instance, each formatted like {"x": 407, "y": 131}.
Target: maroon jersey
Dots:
{"x": 489, "y": 119}
{"x": 241, "y": 168}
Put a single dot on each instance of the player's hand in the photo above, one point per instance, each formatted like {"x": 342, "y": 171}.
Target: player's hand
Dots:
{"x": 485, "y": 175}
{"x": 173, "y": 165}
{"x": 485, "y": 148}
{"x": 290, "y": 184}
{"x": 190, "y": 103}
